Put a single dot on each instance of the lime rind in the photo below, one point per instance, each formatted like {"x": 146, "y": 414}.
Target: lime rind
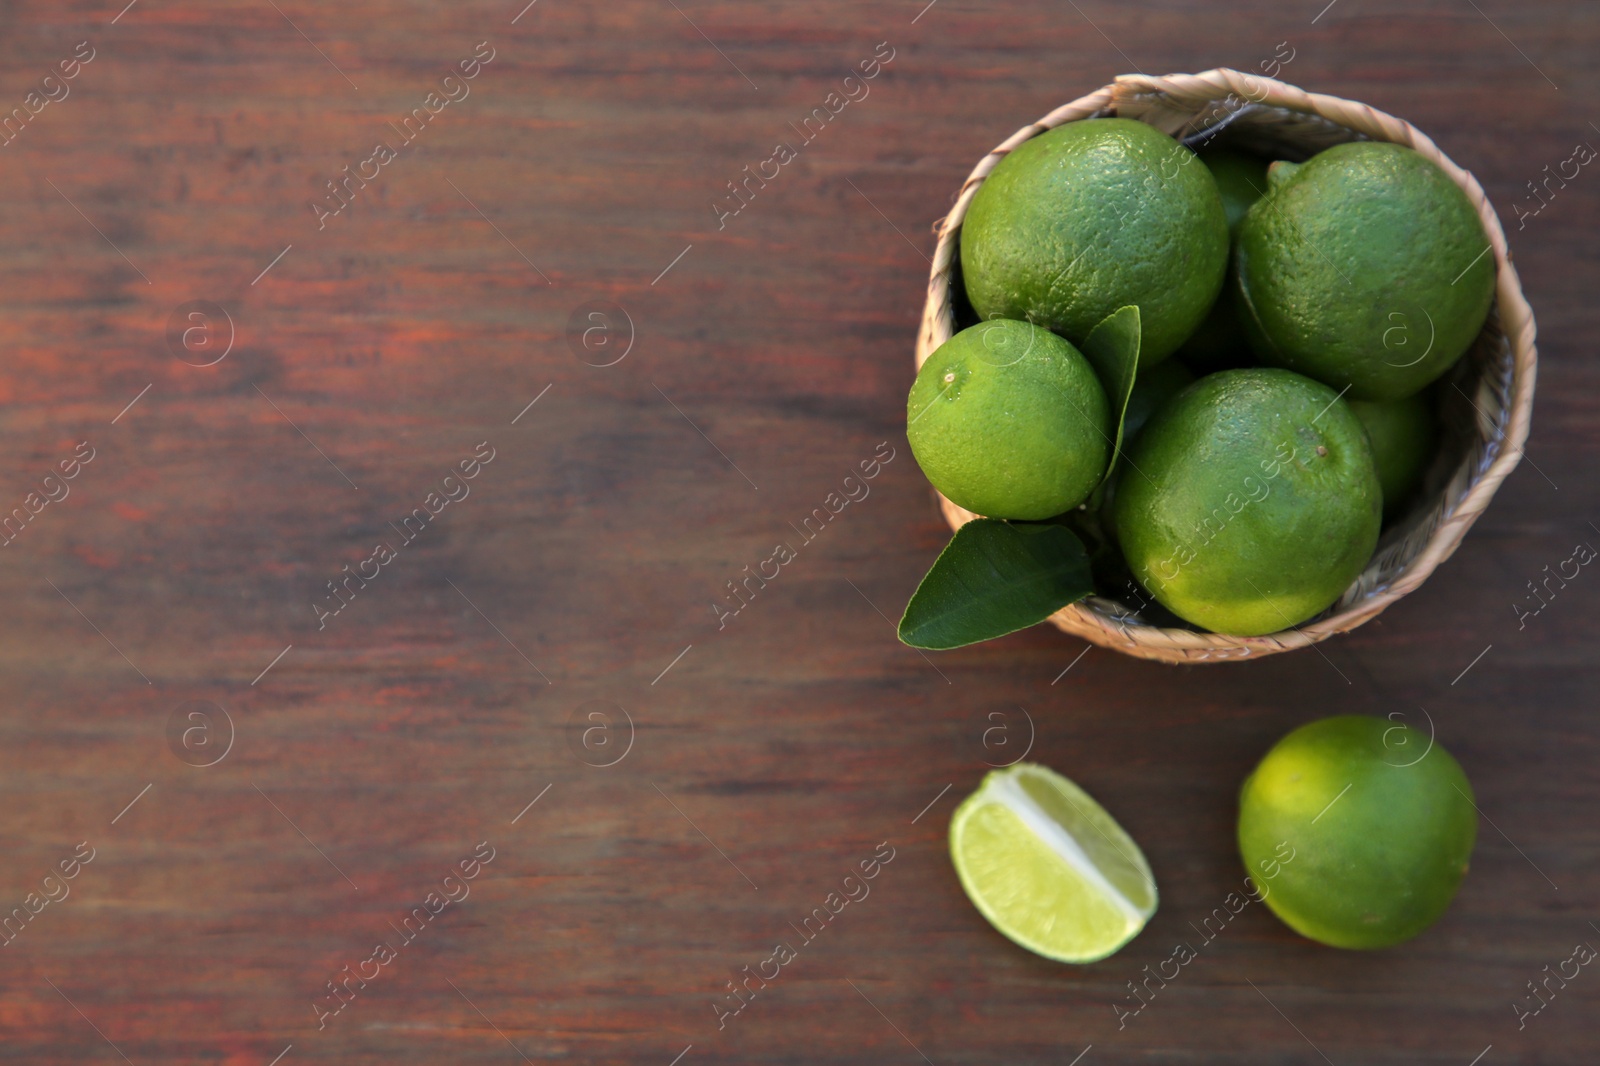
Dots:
{"x": 1105, "y": 845}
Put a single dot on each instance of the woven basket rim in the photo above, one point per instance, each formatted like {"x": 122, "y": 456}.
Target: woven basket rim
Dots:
{"x": 1504, "y": 437}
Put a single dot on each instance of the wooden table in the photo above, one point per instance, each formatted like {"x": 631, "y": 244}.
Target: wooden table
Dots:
{"x": 657, "y": 391}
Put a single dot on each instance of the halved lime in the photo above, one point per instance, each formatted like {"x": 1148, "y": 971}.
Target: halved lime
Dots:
{"x": 1049, "y": 867}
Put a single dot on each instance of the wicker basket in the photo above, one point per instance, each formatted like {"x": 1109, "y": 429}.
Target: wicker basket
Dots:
{"x": 1486, "y": 405}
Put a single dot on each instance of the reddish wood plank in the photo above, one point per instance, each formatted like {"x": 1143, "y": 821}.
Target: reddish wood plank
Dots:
{"x": 772, "y": 755}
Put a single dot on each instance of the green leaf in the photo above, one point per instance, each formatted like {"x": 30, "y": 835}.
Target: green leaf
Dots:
{"x": 1112, "y": 348}
{"x": 995, "y": 578}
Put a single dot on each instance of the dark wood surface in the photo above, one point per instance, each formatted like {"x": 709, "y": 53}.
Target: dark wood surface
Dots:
{"x": 771, "y": 358}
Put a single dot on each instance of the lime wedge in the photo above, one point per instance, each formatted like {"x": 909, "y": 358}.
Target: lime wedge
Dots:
{"x": 1049, "y": 867}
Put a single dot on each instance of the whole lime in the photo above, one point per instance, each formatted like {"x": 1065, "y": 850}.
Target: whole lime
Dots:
{"x": 1009, "y": 421}
{"x": 1219, "y": 342}
{"x": 1090, "y": 217}
{"x": 1357, "y": 830}
{"x": 1250, "y": 502}
{"x": 1364, "y": 267}
{"x": 1404, "y": 436}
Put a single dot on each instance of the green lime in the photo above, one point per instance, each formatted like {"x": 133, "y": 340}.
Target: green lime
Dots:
{"x": 1009, "y": 421}
{"x": 1049, "y": 867}
{"x": 1250, "y": 502}
{"x": 1405, "y": 437}
{"x": 1090, "y": 217}
{"x": 1241, "y": 181}
{"x": 1219, "y": 342}
{"x": 1357, "y": 830}
{"x": 1364, "y": 267}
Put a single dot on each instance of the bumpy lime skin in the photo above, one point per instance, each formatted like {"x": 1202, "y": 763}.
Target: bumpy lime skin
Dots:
{"x": 1090, "y": 217}
{"x": 1379, "y": 825}
{"x": 1365, "y": 268}
{"x": 1250, "y": 501}
{"x": 1008, "y": 420}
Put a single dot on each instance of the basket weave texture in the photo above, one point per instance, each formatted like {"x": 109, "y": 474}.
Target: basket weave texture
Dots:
{"x": 1487, "y": 402}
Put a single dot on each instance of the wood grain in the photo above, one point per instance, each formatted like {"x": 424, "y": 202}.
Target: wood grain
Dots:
{"x": 766, "y": 363}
